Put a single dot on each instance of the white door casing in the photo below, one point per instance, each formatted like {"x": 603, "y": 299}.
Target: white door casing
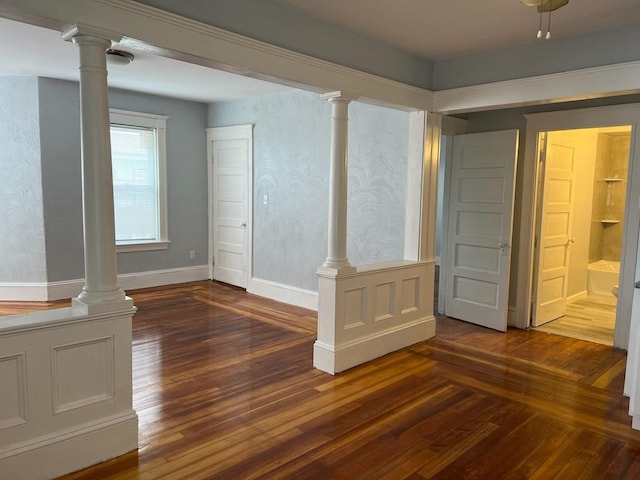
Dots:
{"x": 569, "y": 120}
{"x": 230, "y": 152}
{"x": 479, "y": 228}
{"x": 556, "y": 203}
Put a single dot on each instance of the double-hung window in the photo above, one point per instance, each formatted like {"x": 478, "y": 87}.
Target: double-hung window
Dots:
{"x": 139, "y": 180}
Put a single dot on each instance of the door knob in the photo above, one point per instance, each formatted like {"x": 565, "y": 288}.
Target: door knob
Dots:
{"x": 243, "y": 224}
{"x": 503, "y": 247}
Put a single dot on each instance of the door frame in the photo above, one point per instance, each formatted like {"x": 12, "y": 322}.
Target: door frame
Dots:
{"x": 234, "y": 132}
{"x": 451, "y": 127}
{"x": 628, "y": 114}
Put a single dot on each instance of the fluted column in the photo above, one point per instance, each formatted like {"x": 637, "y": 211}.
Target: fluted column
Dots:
{"x": 101, "y": 290}
{"x": 337, "y": 249}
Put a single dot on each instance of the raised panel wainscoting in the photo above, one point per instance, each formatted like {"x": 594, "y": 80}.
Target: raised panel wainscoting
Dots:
{"x": 369, "y": 312}
{"x": 65, "y": 391}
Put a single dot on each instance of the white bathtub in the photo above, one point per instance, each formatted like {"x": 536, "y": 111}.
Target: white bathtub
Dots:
{"x": 602, "y": 276}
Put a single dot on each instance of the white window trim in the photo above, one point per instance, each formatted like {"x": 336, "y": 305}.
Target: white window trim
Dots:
{"x": 159, "y": 123}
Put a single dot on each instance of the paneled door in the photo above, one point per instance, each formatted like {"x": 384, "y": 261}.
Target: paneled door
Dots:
{"x": 555, "y": 207}
{"x": 482, "y": 183}
{"x": 231, "y": 153}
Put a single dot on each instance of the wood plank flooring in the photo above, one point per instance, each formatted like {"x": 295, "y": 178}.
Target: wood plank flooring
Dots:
{"x": 590, "y": 318}
{"x": 225, "y": 389}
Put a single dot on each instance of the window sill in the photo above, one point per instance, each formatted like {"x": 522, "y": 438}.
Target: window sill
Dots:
{"x": 142, "y": 247}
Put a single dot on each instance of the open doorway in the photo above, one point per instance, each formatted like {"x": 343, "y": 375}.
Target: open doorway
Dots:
{"x": 580, "y": 211}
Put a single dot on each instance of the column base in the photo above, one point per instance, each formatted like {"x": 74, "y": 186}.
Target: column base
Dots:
{"x": 79, "y": 305}
{"x": 336, "y": 271}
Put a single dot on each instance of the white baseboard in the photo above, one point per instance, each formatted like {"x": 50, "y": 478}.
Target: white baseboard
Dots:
{"x": 40, "y": 292}
{"x": 155, "y": 278}
{"x": 284, "y": 293}
{"x": 71, "y": 450}
{"x": 577, "y": 296}
{"x": 343, "y": 357}
{"x": 511, "y": 314}
{"x": 23, "y": 292}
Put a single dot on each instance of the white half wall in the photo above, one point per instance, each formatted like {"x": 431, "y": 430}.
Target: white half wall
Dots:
{"x": 373, "y": 311}
{"x": 66, "y": 394}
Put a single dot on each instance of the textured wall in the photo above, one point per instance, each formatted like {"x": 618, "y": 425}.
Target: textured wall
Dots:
{"x": 186, "y": 180}
{"x": 378, "y": 148}
{"x": 291, "y": 166}
{"x": 22, "y": 247}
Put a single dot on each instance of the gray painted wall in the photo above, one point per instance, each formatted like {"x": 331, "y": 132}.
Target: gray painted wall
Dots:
{"x": 606, "y": 47}
{"x": 22, "y": 239}
{"x": 275, "y": 24}
{"x": 61, "y": 178}
{"x": 291, "y": 166}
{"x": 187, "y": 189}
{"x": 61, "y": 183}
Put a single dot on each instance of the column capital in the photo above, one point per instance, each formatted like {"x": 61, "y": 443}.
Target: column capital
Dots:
{"x": 339, "y": 96}
{"x": 81, "y": 30}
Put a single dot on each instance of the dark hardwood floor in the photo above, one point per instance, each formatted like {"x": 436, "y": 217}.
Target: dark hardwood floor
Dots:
{"x": 225, "y": 389}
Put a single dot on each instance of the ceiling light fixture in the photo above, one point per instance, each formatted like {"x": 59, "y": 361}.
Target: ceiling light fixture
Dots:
{"x": 118, "y": 57}
{"x": 545, "y": 6}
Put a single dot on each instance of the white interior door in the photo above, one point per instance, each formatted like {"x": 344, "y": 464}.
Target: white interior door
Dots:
{"x": 231, "y": 153}
{"x": 480, "y": 225}
{"x": 554, "y": 227}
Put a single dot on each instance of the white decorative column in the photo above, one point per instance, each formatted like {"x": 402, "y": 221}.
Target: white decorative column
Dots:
{"x": 101, "y": 291}
{"x": 337, "y": 265}
{"x": 337, "y": 248}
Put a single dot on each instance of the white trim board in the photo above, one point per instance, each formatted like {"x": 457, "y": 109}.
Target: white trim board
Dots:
{"x": 41, "y": 292}
{"x": 284, "y": 293}
{"x": 583, "y": 84}
{"x": 337, "y": 359}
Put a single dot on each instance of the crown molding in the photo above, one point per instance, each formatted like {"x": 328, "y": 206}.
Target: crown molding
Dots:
{"x": 596, "y": 82}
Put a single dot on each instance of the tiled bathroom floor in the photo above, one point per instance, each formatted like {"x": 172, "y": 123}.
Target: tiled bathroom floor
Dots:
{"x": 589, "y": 318}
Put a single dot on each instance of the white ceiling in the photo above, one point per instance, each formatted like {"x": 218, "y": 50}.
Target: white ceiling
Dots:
{"x": 30, "y": 50}
{"x": 440, "y": 29}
